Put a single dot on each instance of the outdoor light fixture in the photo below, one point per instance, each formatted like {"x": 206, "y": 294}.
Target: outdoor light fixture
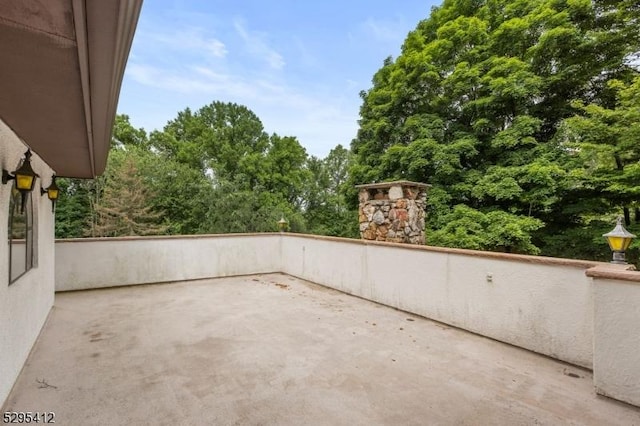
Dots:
{"x": 24, "y": 176}
{"x": 619, "y": 240}
{"x": 282, "y": 224}
{"x": 53, "y": 192}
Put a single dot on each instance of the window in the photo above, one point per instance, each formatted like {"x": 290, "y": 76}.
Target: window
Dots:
{"x": 21, "y": 251}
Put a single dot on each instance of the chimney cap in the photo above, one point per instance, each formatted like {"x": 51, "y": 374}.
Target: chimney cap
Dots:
{"x": 382, "y": 185}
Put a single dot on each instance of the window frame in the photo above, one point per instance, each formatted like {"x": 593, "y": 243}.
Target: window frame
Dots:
{"x": 15, "y": 200}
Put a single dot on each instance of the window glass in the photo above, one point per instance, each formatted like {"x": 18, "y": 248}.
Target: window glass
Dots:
{"x": 20, "y": 235}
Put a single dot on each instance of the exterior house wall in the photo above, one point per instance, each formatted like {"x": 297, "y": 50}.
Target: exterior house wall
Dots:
{"x": 25, "y": 304}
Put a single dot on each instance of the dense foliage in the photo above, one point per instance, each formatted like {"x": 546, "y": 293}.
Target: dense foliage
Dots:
{"x": 212, "y": 171}
{"x": 523, "y": 115}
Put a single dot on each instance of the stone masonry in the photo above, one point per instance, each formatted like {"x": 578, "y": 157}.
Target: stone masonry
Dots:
{"x": 393, "y": 211}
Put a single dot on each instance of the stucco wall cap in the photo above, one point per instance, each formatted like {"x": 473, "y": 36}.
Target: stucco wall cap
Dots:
{"x": 592, "y": 265}
{"x": 614, "y": 272}
{"x": 165, "y": 237}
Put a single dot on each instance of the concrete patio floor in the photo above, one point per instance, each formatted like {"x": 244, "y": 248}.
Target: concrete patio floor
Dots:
{"x": 273, "y": 349}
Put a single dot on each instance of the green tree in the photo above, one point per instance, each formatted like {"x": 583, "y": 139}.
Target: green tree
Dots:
{"x": 219, "y": 139}
{"x": 124, "y": 134}
{"x": 470, "y": 228}
{"x": 76, "y": 215}
{"x": 605, "y": 172}
{"x": 283, "y": 169}
{"x": 73, "y": 209}
{"x": 227, "y": 145}
{"x": 604, "y": 141}
{"x": 182, "y": 193}
{"x": 326, "y": 210}
{"x": 473, "y": 106}
{"x": 233, "y": 211}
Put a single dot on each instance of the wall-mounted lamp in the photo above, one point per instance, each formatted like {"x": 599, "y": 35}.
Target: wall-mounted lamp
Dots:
{"x": 24, "y": 176}
{"x": 53, "y": 192}
{"x": 282, "y": 224}
{"x": 619, "y": 240}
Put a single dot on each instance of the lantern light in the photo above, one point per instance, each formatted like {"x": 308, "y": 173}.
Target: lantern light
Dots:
{"x": 53, "y": 192}
{"x": 282, "y": 224}
{"x": 24, "y": 176}
{"x": 619, "y": 240}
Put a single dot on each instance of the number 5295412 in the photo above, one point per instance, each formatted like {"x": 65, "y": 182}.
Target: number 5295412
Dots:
{"x": 28, "y": 417}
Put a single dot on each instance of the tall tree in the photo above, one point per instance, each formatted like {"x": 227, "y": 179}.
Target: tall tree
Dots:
{"x": 73, "y": 209}
{"x": 284, "y": 173}
{"x": 227, "y": 144}
{"x": 124, "y": 134}
{"x": 474, "y": 103}
{"x": 124, "y": 207}
{"x": 604, "y": 141}
{"x": 326, "y": 209}
{"x": 217, "y": 139}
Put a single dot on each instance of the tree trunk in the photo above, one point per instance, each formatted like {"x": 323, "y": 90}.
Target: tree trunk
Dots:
{"x": 627, "y": 216}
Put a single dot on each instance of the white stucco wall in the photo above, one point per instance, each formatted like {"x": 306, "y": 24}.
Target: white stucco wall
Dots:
{"x": 540, "y": 304}
{"x": 616, "y": 360}
{"x": 25, "y": 304}
{"x": 110, "y": 262}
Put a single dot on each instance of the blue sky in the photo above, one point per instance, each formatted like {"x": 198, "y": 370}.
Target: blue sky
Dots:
{"x": 299, "y": 65}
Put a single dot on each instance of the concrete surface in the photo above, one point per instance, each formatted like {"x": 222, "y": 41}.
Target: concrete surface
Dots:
{"x": 272, "y": 349}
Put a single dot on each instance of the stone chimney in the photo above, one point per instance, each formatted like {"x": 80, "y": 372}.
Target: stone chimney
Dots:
{"x": 393, "y": 211}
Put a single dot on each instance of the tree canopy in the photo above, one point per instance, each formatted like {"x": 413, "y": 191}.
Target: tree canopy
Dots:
{"x": 508, "y": 108}
{"x": 210, "y": 171}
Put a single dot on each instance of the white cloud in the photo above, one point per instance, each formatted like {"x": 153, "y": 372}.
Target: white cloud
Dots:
{"x": 193, "y": 39}
{"x": 190, "y": 80}
{"x": 202, "y": 80}
{"x": 257, "y": 46}
{"x": 385, "y": 31}
{"x": 217, "y": 48}
{"x": 306, "y": 57}
{"x": 352, "y": 84}
{"x": 319, "y": 120}
{"x": 180, "y": 66}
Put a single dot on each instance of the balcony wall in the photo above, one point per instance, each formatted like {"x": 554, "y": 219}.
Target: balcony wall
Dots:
{"x": 111, "y": 262}
{"x": 541, "y": 304}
